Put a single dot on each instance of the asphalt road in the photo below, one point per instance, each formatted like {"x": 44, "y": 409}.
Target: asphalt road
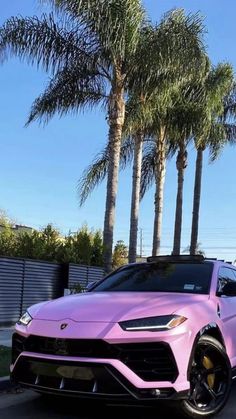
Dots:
{"x": 30, "y": 405}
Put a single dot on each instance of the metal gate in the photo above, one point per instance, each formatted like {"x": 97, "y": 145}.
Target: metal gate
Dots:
{"x": 24, "y": 282}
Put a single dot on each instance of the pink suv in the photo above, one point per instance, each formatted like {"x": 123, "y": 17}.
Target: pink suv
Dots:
{"x": 160, "y": 330}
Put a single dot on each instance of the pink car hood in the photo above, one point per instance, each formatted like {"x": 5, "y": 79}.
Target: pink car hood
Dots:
{"x": 113, "y": 306}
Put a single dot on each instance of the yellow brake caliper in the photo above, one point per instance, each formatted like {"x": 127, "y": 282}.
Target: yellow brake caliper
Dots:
{"x": 207, "y": 363}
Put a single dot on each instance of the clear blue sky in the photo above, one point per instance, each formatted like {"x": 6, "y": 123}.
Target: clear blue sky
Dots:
{"x": 40, "y": 166}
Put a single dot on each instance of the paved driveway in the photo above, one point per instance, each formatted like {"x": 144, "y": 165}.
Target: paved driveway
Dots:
{"x": 29, "y": 405}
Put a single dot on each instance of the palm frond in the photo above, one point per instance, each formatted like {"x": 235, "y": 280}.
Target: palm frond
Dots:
{"x": 218, "y": 85}
{"x": 45, "y": 42}
{"x": 115, "y": 23}
{"x": 127, "y": 152}
{"x": 174, "y": 47}
{"x": 216, "y": 140}
{"x": 230, "y": 132}
{"x": 230, "y": 104}
{"x": 70, "y": 90}
{"x": 218, "y": 127}
{"x": 148, "y": 168}
{"x": 96, "y": 172}
{"x": 93, "y": 175}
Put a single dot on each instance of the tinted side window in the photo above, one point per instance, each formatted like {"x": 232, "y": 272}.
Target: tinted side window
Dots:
{"x": 225, "y": 275}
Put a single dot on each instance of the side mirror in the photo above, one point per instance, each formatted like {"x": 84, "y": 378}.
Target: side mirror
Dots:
{"x": 229, "y": 289}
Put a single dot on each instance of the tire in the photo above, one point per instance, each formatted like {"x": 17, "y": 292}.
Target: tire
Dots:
{"x": 209, "y": 392}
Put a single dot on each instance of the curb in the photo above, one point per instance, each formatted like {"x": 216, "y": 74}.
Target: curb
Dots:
{"x": 5, "y": 383}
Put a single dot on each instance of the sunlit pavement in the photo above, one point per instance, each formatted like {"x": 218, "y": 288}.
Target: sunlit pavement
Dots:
{"x": 31, "y": 405}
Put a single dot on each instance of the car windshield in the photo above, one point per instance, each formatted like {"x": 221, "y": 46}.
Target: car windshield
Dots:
{"x": 192, "y": 278}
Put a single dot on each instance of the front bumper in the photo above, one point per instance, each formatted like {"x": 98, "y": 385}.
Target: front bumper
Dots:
{"x": 86, "y": 380}
{"x": 98, "y": 369}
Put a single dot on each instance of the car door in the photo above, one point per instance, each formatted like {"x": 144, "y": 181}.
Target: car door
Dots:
{"x": 227, "y": 308}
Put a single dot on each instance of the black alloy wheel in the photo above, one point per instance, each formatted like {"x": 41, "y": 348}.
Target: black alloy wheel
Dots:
{"x": 210, "y": 380}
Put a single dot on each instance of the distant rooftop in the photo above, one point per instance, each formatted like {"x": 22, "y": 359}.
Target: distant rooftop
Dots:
{"x": 18, "y": 228}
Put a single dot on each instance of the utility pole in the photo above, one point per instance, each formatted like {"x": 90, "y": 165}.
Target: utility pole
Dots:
{"x": 141, "y": 243}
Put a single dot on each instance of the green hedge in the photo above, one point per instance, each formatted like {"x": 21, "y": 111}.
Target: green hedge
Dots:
{"x": 83, "y": 247}
{"x": 5, "y": 359}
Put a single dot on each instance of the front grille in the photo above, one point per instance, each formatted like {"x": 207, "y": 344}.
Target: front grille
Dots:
{"x": 150, "y": 361}
{"x": 18, "y": 346}
{"x": 90, "y": 348}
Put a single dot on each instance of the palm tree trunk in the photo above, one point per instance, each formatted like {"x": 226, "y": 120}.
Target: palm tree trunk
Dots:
{"x": 196, "y": 202}
{"x": 134, "y": 213}
{"x": 159, "y": 194}
{"x": 116, "y": 116}
{"x": 181, "y": 164}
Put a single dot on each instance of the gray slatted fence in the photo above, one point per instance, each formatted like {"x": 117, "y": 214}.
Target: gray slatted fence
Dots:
{"x": 11, "y": 288}
{"x": 83, "y": 275}
{"x": 41, "y": 282}
{"x": 24, "y": 282}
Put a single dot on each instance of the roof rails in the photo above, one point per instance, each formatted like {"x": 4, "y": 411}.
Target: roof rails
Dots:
{"x": 220, "y": 260}
{"x": 176, "y": 258}
{"x": 182, "y": 258}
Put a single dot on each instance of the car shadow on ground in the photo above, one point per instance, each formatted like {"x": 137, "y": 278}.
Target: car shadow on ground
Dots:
{"x": 71, "y": 408}
{"x": 74, "y": 408}
{"x": 32, "y": 406}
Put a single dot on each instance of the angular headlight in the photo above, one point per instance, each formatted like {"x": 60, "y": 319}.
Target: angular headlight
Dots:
{"x": 153, "y": 324}
{"x": 25, "y": 319}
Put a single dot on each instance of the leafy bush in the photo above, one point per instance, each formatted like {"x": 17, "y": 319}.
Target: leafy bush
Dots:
{"x": 120, "y": 254}
{"x": 5, "y": 360}
{"x": 77, "y": 289}
{"x": 83, "y": 247}
{"x": 8, "y": 242}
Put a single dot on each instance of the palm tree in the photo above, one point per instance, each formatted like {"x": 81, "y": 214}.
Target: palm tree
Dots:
{"x": 145, "y": 118}
{"x": 135, "y": 128}
{"x": 135, "y": 199}
{"x": 153, "y": 171}
{"x": 131, "y": 149}
{"x": 160, "y": 172}
{"x": 95, "y": 54}
{"x": 92, "y": 53}
{"x": 183, "y": 117}
{"x": 194, "y": 112}
{"x": 155, "y": 157}
{"x": 170, "y": 130}
{"x": 218, "y": 129}
{"x": 181, "y": 165}
{"x": 139, "y": 120}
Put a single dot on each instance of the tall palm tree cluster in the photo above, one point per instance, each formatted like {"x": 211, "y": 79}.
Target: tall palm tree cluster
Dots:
{"x": 156, "y": 84}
